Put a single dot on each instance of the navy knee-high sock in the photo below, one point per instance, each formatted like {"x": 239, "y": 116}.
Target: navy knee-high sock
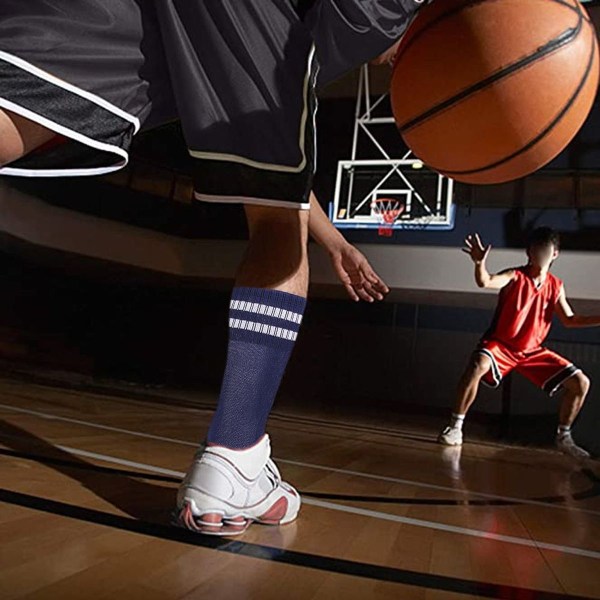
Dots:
{"x": 263, "y": 326}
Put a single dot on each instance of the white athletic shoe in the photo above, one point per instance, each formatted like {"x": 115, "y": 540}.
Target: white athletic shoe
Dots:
{"x": 226, "y": 490}
{"x": 451, "y": 436}
{"x": 566, "y": 444}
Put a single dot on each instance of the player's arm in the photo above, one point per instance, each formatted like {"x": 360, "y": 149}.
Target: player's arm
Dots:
{"x": 321, "y": 228}
{"x": 567, "y": 315}
{"x": 349, "y": 263}
{"x": 497, "y": 281}
{"x": 388, "y": 57}
{"x": 479, "y": 253}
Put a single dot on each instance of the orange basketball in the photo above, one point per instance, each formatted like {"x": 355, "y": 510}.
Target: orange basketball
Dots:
{"x": 487, "y": 91}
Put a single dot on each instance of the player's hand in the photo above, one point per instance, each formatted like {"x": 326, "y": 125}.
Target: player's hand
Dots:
{"x": 475, "y": 248}
{"x": 357, "y": 275}
{"x": 388, "y": 57}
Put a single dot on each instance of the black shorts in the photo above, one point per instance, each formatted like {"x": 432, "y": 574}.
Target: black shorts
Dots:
{"x": 240, "y": 75}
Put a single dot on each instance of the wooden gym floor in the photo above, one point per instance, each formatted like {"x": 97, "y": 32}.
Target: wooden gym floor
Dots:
{"x": 88, "y": 482}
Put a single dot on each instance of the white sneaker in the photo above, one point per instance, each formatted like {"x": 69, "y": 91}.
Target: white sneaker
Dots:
{"x": 566, "y": 444}
{"x": 226, "y": 490}
{"x": 451, "y": 436}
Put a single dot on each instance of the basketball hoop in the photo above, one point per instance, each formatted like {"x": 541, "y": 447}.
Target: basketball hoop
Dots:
{"x": 387, "y": 210}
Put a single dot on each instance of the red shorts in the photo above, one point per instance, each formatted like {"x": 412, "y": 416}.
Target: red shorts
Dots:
{"x": 544, "y": 368}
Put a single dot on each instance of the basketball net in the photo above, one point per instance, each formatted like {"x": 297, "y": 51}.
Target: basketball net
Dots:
{"x": 387, "y": 210}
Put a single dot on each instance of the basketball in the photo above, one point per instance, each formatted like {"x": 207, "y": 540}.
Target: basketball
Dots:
{"x": 490, "y": 91}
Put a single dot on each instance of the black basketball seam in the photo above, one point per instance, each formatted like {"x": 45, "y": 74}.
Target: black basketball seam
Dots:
{"x": 545, "y": 132}
{"x": 565, "y": 38}
{"x": 459, "y": 9}
{"x": 575, "y": 8}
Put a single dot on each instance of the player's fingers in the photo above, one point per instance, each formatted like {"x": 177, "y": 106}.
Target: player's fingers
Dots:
{"x": 351, "y": 292}
{"x": 361, "y": 291}
{"x": 357, "y": 280}
{"x": 370, "y": 275}
{"x": 466, "y": 250}
{"x": 381, "y": 287}
{"x": 373, "y": 292}
{"x": 364, "y": 296}
{"x": 355, "y": 277}
{"x": 346, "y": 277}
{"x": 376, "y": 281}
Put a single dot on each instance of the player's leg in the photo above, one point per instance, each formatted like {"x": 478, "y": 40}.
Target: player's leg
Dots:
{"x": 267, "y": 306}
{"x": 19, "y": 136}
{"x": 468, "y": 386}
{"x": 277, "y": 253}
{"x": 266, "y": 310}
{"x": 576, "y": 389}
{"x": 469, "y": 383}
{"x": 252, "y": 143}
{"x": 552, "y": 372}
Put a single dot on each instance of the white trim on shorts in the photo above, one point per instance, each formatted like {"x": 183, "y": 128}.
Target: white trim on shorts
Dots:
{"x": 495, "y": 370}
{"x": 557, "y": 387}
{"x": 302, "y": 138}
{"x": 250, "y": 200}
{"x": 61, "y": 129}
{"x": 26, "y": 66}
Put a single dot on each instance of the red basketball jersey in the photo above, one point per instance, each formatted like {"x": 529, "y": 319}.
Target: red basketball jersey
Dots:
{"x": 524, "y": 313}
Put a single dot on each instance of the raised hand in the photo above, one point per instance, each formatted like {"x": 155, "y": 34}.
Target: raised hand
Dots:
{"x": 475, "y": 249}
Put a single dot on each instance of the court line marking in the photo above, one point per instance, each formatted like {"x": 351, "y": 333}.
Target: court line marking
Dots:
{"x": 349, "y": 472}
{"x": 282, "y": 555}
{"x": 282, "y": 418}
{"x": 375, "y": 514}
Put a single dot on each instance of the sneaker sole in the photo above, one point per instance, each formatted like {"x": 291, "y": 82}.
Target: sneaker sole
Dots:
{"x": 217, "y": 523}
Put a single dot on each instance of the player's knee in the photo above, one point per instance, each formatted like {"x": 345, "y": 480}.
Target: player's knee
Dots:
{"x": 582, "y": 382}
{"x": 11, "y": 145}
{"x": 19, "y": 136}
{"x": 578, "y": 384}
{"x": 9, "y": 150}
{"x": 480, "y": 365}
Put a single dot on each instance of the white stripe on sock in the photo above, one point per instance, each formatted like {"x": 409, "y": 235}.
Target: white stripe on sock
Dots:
{"x": 271, "y": 311}
{"x": 263, "y": 328}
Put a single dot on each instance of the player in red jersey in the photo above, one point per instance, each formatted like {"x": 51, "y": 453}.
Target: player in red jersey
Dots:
{"x": 529, "y": 297}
